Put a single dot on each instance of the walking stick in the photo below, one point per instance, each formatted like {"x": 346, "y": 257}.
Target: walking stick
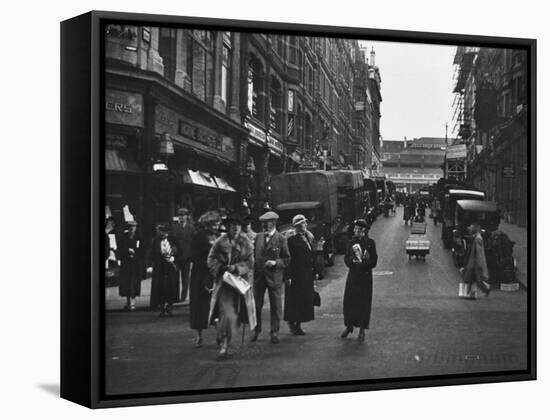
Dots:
{"x": 242, "y": 340}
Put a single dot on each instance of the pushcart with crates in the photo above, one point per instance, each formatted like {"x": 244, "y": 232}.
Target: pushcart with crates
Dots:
{"x": 418, "y": 245}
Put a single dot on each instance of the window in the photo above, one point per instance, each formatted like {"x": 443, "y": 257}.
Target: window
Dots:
{"x": 281, "y": 46}
{"x": 255, "y": 88}
{"x": 167, "y": 50}
{"x": 200, "y": 63}
{"x": 275, "y": 105}
{"x": 226, "y": 66}
{"x": 293, "y": 52}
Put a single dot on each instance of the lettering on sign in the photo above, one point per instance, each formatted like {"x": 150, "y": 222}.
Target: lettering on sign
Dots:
{"x": 180, "y": 127}
{"x": 123, "y": 108}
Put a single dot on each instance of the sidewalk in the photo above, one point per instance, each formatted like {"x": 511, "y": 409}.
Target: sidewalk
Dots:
{"x": 519, "y": 236}
{"x": 114, "y": 302}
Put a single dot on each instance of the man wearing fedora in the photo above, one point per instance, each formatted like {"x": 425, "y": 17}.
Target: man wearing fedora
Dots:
{"x": 183, "y": 232}
{"x": 271, "y": 258}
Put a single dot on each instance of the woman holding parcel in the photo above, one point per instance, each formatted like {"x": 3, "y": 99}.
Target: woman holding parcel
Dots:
{"x": 231, "y": 256}
{"x": 361, "y": 258}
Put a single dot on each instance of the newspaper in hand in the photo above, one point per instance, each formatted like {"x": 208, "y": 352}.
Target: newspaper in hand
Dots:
{"x": 237, "y": 282}
{"x": 357, "y": 251}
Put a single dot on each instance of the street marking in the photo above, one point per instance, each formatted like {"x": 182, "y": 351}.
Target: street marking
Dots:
{"x": 383, "y": 273}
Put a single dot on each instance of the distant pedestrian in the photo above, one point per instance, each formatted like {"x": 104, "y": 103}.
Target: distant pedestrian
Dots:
{"x": 231, "y": 253}
{"x": 248, "y": 231}
{"x": 475, "y": 272}
{"x": 361, "y": 258}
{"x": 419, "y": 218}
{"x": 202, "y": 282}
{"x": 164, "y": 283}
{"x": 183, "y": 233}
{"x": 271, "y": 258}
{"x": 129, "y": 254}
{"x": 299, "y": 289}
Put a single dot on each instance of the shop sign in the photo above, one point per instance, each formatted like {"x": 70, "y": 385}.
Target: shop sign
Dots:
{"x": 123, "y": 108}
{"x": 275, "y": 145}
{"x": 169, "y": 121}
{"x": 508, "y": 172}
{"x": 257, "y": 135}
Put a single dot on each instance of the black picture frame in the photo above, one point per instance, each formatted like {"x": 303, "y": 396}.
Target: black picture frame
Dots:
{"x": 82, "y": 191}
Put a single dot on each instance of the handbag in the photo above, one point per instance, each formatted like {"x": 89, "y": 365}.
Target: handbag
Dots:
{"x": 316, "y": 298}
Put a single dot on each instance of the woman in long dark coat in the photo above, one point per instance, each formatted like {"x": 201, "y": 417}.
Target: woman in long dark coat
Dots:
{"x": 129, "y": 285}
{"x": 299, "y": 290}
{"x": 202, "y": 283}
{"x": 164, "y": 283}
{"x": 361, "y": 258}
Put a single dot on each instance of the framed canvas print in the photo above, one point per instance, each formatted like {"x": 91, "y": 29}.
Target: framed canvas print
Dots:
{"x": 255, "y": 209}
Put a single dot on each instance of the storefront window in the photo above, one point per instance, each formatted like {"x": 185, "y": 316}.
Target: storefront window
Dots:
{"x": 200, "y": 63}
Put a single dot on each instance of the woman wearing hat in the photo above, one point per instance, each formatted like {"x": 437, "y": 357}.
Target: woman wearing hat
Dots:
{"x": 128, "y": 253}
{"x": 164, "y": 284}
{"x": 201, "y": 283}
{"x": 361, "y": 258}
{"x": 299, "y": 290}
{"x": 231, "y": 253}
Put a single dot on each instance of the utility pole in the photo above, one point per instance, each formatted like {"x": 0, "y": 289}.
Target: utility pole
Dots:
{"x": 446, "y": 125}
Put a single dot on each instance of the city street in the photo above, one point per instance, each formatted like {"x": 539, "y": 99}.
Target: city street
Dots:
{"x": 418, "y": 327}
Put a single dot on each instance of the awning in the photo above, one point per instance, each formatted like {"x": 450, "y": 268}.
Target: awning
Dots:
{"x": 120, "y": 161}
{"x": 200, "y": 178}
{"x": 224, "y": 185}
{"x": 204, "y": 179}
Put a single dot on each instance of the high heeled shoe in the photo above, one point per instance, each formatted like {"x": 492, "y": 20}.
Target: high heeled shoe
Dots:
{"x": 361, "y": 336}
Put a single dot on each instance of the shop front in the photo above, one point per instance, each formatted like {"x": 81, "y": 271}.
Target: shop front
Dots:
{"x": 203, "y": 167}
{"x": 123, "y": 174}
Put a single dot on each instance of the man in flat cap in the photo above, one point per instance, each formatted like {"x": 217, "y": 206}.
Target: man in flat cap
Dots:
{"x": 271, "y": 258}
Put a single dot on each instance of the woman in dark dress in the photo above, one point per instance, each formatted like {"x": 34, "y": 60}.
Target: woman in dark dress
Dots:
{"x": 361, "y": 258}
{"x": 128, "y": 253}
{"x": 299, "y": 290}
{"x": 164, "y": 284}
{"x": 201, "y": 283}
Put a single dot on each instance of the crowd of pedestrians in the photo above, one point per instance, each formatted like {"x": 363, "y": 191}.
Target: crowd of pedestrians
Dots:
{"x": 226, "y": 269}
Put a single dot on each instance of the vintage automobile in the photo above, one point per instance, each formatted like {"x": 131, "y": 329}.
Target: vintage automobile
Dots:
{"x": 467, "y": 211}
{"x": 313, "y": 194}
{"x": 451, "y": 196}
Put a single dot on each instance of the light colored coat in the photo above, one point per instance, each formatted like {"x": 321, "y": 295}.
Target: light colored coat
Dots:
{"x": 240, "y": 254}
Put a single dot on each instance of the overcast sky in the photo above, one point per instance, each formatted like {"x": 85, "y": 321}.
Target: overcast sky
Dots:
{"x": 417, "y": 85}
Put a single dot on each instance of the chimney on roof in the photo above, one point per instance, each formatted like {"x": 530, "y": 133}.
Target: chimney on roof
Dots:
{"x": 405, "y": 142}
{"x": 372, "y": 54}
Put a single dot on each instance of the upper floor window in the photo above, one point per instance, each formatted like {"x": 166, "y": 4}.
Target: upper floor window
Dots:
{"x": 167, "y": 50}
{"x": 293, "y": 51}
{"x": 255, "y": 88}
{"x": 200, "y": 63}
{"x": 227, "y": 51}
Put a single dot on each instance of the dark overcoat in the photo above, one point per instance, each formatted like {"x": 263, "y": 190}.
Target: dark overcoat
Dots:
{"x": 201, "y": 280}
{"x": 299, "y": 293}
{"x": 358, "y": 291}
{"x": 164, "y": 282}
{"x": 129, "y": 282}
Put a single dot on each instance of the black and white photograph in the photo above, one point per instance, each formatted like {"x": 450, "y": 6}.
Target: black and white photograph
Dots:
{"x": 284, "y": 209}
